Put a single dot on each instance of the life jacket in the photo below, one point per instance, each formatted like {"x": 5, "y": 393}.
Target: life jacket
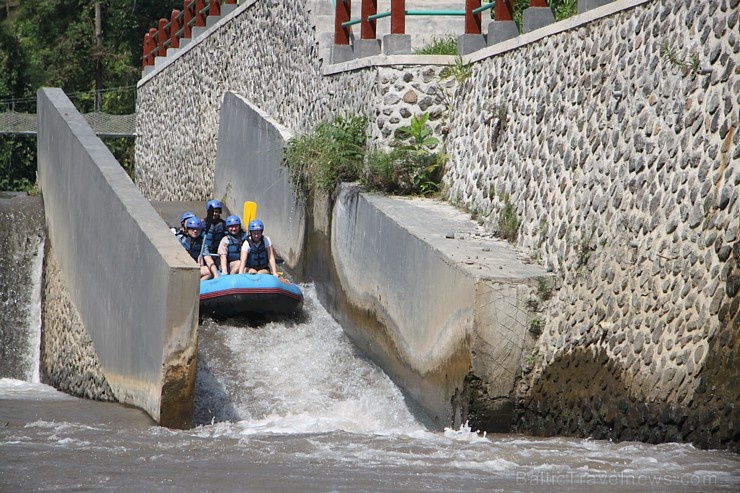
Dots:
{"x": 257, "y": 257}
{"x": 214, "y": 235}
{"x": 235, "y": 246}
{"x": 192, "y": 245}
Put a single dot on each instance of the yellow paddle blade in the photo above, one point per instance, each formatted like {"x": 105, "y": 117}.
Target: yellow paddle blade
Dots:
{"x": 250, "y": 211}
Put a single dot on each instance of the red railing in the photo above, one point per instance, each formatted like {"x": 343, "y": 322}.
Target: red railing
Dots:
{"x": 168, "y": 33}
{"x": 503, "y": 11}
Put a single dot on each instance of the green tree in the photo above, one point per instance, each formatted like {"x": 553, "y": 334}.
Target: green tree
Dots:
{"x": 52, "y": 43}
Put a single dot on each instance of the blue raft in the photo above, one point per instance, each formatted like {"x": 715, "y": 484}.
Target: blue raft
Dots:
{"x": 241, "y": 294}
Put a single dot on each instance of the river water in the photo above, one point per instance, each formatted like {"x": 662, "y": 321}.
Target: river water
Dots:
{"x": 291, "y": 406}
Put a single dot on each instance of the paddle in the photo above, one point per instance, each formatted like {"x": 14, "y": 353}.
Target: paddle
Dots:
{"x": 209, "y": 220}
{"x": 250, "y": 211}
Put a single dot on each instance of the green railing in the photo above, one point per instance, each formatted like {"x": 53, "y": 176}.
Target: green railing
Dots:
{"x": 398, "y": 14}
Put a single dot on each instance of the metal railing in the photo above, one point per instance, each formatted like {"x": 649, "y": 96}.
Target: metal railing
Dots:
{"x": 168, "y": 33}
{"x": 398, "y": 13}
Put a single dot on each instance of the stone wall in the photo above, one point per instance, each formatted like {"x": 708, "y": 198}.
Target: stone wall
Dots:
{"x": 275, "y": 67}
{"x": 619, "y": 154}
{"x": 623, "y": 167}
{"x": 68, "y": 358}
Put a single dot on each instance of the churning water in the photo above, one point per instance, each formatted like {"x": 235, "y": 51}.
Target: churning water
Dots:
{"x": 290, "y": 406}
{"x": 21, "y": 257}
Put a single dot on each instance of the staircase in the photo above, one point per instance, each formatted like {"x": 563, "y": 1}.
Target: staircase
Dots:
{"x": 422, "y": 29}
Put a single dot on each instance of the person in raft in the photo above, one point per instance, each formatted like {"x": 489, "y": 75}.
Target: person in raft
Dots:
{"x": 183, "y": 231}
{"x": 258, "y": 256}
{"x": 193, "y": 243}
{"x": 230, "y": 246}
{"x": 217, "y": 229}
{"x": 214, "y": 235}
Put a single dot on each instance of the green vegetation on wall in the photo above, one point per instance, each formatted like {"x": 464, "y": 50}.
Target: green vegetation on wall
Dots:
{"x": 561, "y": 8}
{"x": 337, "y": 151}
{"x": 439, "y": 46}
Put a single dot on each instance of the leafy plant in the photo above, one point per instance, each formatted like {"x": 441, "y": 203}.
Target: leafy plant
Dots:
{"x": 561, "y": 8}
{"x": 380, "y": 171}
{"x": 535, "y": 327}
{"x": 418, "y": 166}
{"x": 672, "y": 56}
{"x": 418, "y": 138}
{"x": 334, "y": 152}
{"x": 459, "y": 71}
{"x": 508, "y": 222}
{"x": 564, "y": 8}
{"x": 439, "y": 46}
{"x": 544, "y": 289}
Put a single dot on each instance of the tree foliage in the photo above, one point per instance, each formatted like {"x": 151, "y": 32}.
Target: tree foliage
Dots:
{"x": 52, "y": 43}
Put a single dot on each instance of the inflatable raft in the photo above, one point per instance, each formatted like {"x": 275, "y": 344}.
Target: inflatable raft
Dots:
{"x": 249, "y": 293}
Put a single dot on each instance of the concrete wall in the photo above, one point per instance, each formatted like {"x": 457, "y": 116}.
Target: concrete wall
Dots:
{"x": 132, "y": 290}
{"x": 424, "y": 273}
{"x": 248, "y": 167}
{"x": 621, "y": 162}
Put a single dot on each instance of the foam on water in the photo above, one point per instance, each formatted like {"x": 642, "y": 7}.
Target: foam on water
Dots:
{"x": 295, "y": 376}
{"x": 11, "y": 388}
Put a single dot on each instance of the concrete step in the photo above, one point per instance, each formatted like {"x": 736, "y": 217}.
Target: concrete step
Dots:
{"x": 423, "y": 29}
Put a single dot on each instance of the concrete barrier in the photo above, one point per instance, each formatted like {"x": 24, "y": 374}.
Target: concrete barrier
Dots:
{"x": 248, "y": 167}
{"x": 134, "y": 287}
{"x": 436, "y": 302}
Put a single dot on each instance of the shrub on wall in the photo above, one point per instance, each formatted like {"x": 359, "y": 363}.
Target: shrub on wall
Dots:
{"x": 336, "y": 151}
{"x": 333, "y": 152}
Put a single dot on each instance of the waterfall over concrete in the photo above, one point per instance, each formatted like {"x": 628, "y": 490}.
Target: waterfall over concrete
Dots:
{"x": 21, "y": 261}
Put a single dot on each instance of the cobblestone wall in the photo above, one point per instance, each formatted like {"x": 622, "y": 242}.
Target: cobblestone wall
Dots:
{"x": 618, "y": 152}
{"x": 68, "y": 358}
{"x": 275, "y": 66}
{"x": 623, "y": 167}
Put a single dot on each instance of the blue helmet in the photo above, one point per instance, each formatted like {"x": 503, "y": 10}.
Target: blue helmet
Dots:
{"x": 256, "y": 225}
{"x": 213, "y": 203}
{"x": 233, "y": 221}
{"x": 186, "y": 216}
{"x": 194, "y": 223}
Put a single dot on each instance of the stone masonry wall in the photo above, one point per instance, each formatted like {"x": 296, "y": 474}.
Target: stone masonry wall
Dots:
{"x": 624, "y": 170}
{"x": 621, "y": 163}
{"x": 272, "y": 61}
{"x": 68, "y": 358}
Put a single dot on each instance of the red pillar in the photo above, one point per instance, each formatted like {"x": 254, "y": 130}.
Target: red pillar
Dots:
{"x": 503, "y": 10}
{"x": 342, "y": 13}
{"x": 214, "y": 8}
{"x": 147, "y": 48}
{"x": 398, "y": 16}
{"x": 152, "y": 46}
{"x": 174, "y": 27}
{"x": 161, "y": 37}
{"x": 187, "y": 7}
{"x": 230, "y": 2}
{"x": 538, "y": 3}
{"x": 200, "y": 17}
{"x": 368, "y": 31}
{"x": 472, "y": 21}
